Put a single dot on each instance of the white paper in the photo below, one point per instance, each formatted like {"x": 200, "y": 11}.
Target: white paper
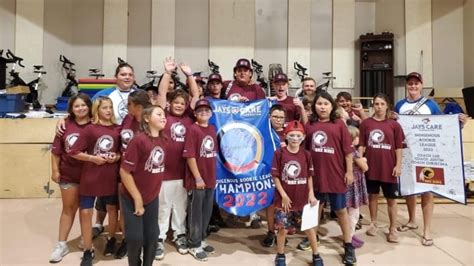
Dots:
{"x": 310, "y": 216}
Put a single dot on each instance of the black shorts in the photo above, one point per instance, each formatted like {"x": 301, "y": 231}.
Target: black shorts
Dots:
{"x": 390, "y": 190}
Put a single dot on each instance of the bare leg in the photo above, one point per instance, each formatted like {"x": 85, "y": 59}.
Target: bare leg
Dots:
{"x": 392, "y": 213}
{"x": 373, "y": 207}
{"x": 311, "y": 234}
{"x": 270, "y": 212}
{"x": 112, "y": 212}
{"x": 411, "y": 204}
{"x": 86, "y": 227}
{"x": 427, "y": 205}
{"x": 70, "y": 199}
{"x": 345, "y": 224}
{"x": 281, "y": 241}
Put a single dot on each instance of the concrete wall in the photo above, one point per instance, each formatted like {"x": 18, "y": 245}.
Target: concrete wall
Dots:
{"x": 320, "y": 34}
{"x": 468, "y": 24}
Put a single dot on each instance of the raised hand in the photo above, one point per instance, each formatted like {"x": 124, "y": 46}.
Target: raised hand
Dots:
{"x": 169, "y": 65}
{"x": 186, "y": 69}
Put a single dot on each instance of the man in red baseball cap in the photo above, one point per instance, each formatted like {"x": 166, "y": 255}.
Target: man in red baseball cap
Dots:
{"x": 242, "y": 87}
{"x": 214, "y": 86}
{"x": 293, "y": 106}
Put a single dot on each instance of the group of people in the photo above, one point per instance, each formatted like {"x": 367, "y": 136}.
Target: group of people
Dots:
{"x": 147, "y": 160}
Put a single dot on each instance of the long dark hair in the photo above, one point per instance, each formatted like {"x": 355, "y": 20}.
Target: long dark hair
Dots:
{"x": 332, "y": 116}
{"x": 83, "y": 97}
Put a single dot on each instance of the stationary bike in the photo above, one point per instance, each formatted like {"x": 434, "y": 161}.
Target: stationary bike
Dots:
{"x": 71, "y": 88}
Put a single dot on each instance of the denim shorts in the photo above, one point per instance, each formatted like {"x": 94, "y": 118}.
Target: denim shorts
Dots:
{"x": 337, "y": 200}
{"x": 67, "y": 185}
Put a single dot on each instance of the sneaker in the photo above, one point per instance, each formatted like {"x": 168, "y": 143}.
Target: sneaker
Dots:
{"x": 317, "y": 260}
{"x": 110, "y": 247}
{"x": 122, "y": 250}
{"x": 160, "y": 250}
{"x": 269, "y": 240}
{"x": 97, "y": 229}
{"x": 60, "y": 250}
{"x": 198, "y": 253}
{"x": 372, "y": 231}
{"x": 349, "y": 254}
{"x": 255, "y": 222}
{"x": 207, "y": 248}
{"x": 304, "y": 245}
{"x": 280, "y": 261}
{"x": 87, "y": 258}
{"x": 181, "y": 244}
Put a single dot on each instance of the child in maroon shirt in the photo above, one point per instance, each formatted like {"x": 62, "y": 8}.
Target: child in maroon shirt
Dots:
{"x": 173, "y": 196}
{"x": 382, "y": 140}
{"x": 98, "y": 147}
{"x": 330, "y": 145}
{"x": 293, "y": 106}
{"x": 142, "y": 172}
{"x": 200, "y": 151}
{"x": 292, "y": 172}
{"x": 66, "y": 170}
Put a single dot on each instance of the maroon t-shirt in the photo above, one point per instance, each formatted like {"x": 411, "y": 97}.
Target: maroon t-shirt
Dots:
{"x": 145, "y": 160}
{"x": 381, "y": 139}
{"x": 201, "y": 144}
{"x": 293, "y": 170}
{"x": 98, "y": 180}
{"x": 292, "y": 111}
{"x": 281, "y": 134}
{"x": 252, "y": 92}
{"x": 130, "y": 127}
{"x": 176, "y": 130}
{"x": 69, "y": 168}
{"x": 328, "y": 143}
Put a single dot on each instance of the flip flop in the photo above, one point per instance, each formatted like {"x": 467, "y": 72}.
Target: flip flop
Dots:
{"x": 427, "y": 242}
{"x": 406, "y": 227}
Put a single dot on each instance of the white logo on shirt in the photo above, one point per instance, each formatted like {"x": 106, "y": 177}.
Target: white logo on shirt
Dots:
{"x": 207, "y": 147}
{"x": 154, "y": 164}
{"x": 234, "y": 97}
{"x": 70, "y": 140}
{"x": 376, "y": 138}
{"x": 178, "y": 131}
{"x": 126, "y": 135}
{"x": 319, "y": 139}
{"x": 103, "y": 145}
{"x": 291, "y": 171}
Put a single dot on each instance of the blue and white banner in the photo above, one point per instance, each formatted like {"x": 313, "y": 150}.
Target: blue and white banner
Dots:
{"x": 246, "y": 147}
{"x": 433, "y": 160}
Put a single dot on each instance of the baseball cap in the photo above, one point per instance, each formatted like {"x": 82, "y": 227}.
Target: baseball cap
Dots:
{"x": 280, "y": 77}
{"x": 202, "y": 103}
{"x": 294, "y": 125}
{"x": 415, "y": 75}
{"x": 242, "y": 62}
{"x": 214, "y": 76}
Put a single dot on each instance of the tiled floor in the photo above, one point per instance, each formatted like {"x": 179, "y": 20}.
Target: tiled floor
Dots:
{"x": 28, "y": 231}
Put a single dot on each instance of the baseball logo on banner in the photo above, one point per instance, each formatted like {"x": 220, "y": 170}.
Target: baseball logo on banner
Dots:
{"x": 433, "y": 159}
{"x": 246, "y": 147}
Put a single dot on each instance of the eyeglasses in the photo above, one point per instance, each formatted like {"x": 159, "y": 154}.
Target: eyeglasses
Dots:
{"x": 278, "y": 117}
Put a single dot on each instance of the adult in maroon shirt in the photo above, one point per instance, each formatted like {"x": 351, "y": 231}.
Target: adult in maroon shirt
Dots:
{"x": 330, "y": 144}
{"x": 99, "y": 148}
{"x": 214, "y": 86}
{"x": 200, "y": 151}
{"x": 293, "y": 106}
{"x": 142, "y": 171}
{"x": 66, "y": 171}
{"x": 242, "y": 88}
{"x": 382, "y": 140}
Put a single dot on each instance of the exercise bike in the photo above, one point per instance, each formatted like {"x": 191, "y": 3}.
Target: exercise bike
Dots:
{"x": 301, "y": 72}
{"x": 258, "y": 68}
{"x": 71, "y": 88}
{"x": 32, "y": 97}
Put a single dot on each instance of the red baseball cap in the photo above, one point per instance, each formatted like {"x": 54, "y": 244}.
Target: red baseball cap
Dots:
{"x": 294, "y": 125}
{"x": 243, "y": 62}
{"x": 280, "y": 77}
{"x": 202, "y": 103}
{"x": 214, "y": 76}
{"x": 415, "y": 75}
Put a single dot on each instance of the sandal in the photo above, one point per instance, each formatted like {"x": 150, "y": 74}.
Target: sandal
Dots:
{"x": 427, "y": 242}
{"x": 372, "y": 230}
{"x": 406, "y": 227}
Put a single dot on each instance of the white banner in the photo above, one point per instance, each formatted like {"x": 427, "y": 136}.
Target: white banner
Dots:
{"x": 433, "y": 160}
